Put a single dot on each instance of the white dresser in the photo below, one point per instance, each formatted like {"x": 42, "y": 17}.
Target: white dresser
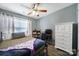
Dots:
{"x": 66, "y": 37}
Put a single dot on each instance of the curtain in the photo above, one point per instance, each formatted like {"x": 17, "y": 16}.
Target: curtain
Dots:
{"x": 10, "y": 24}
{"x": 6, "y": 25}
{"x": 29, "y": 28}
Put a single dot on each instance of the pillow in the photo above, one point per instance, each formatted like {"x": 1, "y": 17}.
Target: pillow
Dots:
{"x": 18, "y": 35}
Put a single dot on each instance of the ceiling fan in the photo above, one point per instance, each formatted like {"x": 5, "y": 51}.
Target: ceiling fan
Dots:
{"x": 35, "y": 9}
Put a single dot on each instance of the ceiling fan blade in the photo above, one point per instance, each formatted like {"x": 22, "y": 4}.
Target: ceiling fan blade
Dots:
{"x": 29, "y": 13}
{"x": 42, "y": 10}
{"x": 26, "y": 7}
{"x": 33, "y": 6}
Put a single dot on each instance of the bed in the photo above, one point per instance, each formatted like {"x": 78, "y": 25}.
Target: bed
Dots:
{"x": 27, "y": 46}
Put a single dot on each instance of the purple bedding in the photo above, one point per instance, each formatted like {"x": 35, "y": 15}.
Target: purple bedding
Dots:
{"x": 16, "y": 52}
{"x": 36, "y": 44}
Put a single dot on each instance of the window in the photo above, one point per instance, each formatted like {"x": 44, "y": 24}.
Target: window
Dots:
{"x": 22, "y": 25}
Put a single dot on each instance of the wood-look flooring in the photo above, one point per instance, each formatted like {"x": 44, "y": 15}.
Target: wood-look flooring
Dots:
{"x": 52, "y": 51}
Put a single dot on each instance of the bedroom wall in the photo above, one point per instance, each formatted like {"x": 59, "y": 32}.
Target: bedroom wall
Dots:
{"x": 68, "y": 14}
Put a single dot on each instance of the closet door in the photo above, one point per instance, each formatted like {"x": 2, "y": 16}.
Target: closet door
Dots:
{"x": 59, "y": 37}
{"x": 63, "y": 37}
{"x": 68, "y": 37}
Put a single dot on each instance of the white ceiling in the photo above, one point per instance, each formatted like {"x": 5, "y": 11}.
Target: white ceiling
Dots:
{"x": 18, "y": 8}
